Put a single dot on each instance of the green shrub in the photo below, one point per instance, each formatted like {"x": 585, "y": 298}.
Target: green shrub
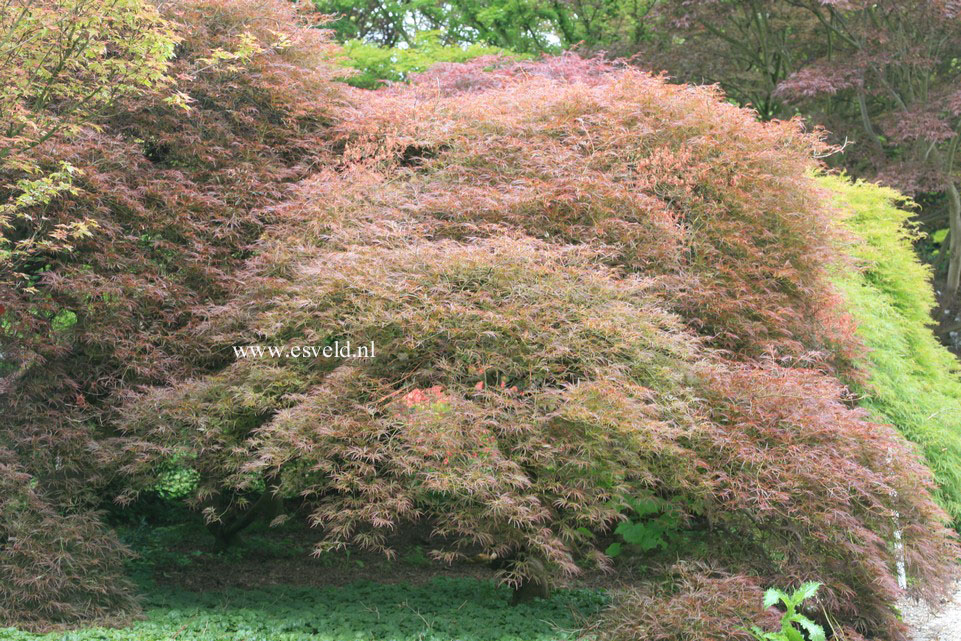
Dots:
{"x": 653, "y": 523}
{"x": 913, "y": 380}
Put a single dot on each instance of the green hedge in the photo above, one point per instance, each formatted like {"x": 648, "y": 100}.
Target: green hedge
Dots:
{"x": 914, "y": 381}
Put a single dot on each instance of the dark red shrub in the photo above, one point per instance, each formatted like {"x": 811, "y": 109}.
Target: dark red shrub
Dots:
{"x": 173, "y": 199}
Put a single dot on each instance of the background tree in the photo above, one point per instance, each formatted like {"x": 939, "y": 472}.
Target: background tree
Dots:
{"x": 527, "y": 28}
{"x": 880, "y": 76}
{"x": 888, "y": 76}
{"x": 746, "y": 46}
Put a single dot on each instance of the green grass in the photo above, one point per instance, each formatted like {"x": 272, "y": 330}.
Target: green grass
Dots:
{"x": 445, "y": 609}
{"x": 914, "y": 381}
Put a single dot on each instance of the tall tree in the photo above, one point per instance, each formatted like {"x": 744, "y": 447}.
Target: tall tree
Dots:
{"x": 523, "y": 26}
{"x": 889, "y": 78}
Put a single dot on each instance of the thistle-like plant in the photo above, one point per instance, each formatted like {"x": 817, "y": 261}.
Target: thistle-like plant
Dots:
{"x": 791, "y": 616}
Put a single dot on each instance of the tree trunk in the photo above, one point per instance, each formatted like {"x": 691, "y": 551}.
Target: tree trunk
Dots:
{"x": 953, "y": 284}
{"x": 530, "y": 589}
{"x": 533, "y": 587}
{"x": 268, "y": 506}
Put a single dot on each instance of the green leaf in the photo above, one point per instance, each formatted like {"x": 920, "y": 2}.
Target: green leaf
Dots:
{"x": 815, "y": 632}
{"x": 806, "y": 591}
{"x": 792, "y": 634}
{"x": 646, "y": 507}
{"x": 772, "y": 596}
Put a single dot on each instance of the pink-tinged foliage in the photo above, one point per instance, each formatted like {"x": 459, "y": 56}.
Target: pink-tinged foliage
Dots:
{"x": 584, "y": 285}
{"x": 688, "y": 602}
{"x": 809, "y": 468}
{"x": 489, "y": 72}
{"x": 920, "y": 124}
{"x": 819, "y": 81}
{"x": 581, "y": 291}
{"x": 669, "y": 180}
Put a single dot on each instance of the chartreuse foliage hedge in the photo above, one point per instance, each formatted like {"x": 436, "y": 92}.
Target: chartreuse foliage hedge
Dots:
{"x": 446, "y": 608}
{"x": 914, "y": 382}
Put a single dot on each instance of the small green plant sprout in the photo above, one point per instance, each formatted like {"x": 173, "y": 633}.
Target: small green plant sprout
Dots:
{"x": 791, "y": 616}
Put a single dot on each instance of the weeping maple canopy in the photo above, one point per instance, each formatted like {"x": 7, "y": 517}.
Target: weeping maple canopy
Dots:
{"x": 584, "y": 285}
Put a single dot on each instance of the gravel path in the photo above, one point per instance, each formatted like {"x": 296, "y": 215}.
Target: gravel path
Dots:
{"x": 942, "y": 623}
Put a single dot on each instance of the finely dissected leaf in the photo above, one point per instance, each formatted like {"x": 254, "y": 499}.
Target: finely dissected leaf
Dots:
{"x": 791, "y": 634}
{"x": 913, "y": 381}
{"x": 586, "y": 287}
{"x": 124, "y": 217}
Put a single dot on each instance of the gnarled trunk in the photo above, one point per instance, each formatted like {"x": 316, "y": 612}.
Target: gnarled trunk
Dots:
{"x": 268, "y": 506}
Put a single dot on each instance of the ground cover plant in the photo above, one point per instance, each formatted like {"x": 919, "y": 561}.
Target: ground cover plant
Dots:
{"x": 443, "y": 609}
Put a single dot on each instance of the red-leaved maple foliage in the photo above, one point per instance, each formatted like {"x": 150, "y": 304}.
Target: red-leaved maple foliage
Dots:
{"x": 176, "y": 198}
{"x": 584, "y": 285}
{"x": 668, "y": 179}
